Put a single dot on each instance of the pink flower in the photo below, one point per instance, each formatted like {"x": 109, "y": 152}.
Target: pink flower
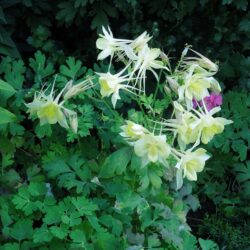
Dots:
{"x": 195, "y": 103}
{"x": 213, "y": 100}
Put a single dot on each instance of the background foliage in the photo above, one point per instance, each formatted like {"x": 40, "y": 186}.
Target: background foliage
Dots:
{"x": 41, "y": 38}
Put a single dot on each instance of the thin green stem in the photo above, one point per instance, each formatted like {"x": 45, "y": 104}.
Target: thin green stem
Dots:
{"x": 106, "y": 104}
{"x": 157, "y": 86}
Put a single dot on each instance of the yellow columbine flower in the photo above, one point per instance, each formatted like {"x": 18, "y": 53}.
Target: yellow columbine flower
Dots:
{"x": 133, "y": 131}
{"x": 187, "y": 132}
{"x": 152, "y": 148}
{"x": 211, "y": 126}
{"x": 191, "y": 127}
{"x": 190, "y": 163}
{"x": 195, "y": 87}
{"x": 111, "y": 85}
{"x": 194, "y": 162}
{"x": 197, "y": 82}
{"x": 49, "y": 111}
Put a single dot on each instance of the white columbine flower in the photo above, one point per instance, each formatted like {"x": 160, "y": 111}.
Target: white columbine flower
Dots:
{"x": 133, "y": 131}
{"x": 49, "y": 110}
{"x": 190, "y": 163}
{"x": 147, "y": 60}
{"x": 140, "y": 42}
{"x": 111, "y": 85}
{"x": 202, "y": 61}
{"x": 109, "y": 45}
{"x": 152, "y": 148}
{"x": 73, "y": 90}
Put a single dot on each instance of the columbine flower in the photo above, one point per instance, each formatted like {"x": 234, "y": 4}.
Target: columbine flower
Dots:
{"x": 152, "y": 148}
{"x": 133, "y": 131}
{"x": 191, "y": 127}
{"x": 111, "y": 85}
{"x": 173, "y": 84}
{"x": 187, "y": 130}
{"x": 190, "y": 163}
{"x": 49, "y": 110}
{"x": 140, "y": 42}
{"x": 109, "y": 45}
{"x": 210, "y": 126}
{"x": 215, "y": 86}
{"x": 202, "y": 61}
{"x": 147, "y": 61}
{"x": 196, "y": 86}
{"x": 186, "y": 127}
{"x": 73, "y": 90}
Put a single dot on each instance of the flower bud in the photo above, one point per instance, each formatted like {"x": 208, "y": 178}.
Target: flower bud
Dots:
{"x": 173, "y": 84}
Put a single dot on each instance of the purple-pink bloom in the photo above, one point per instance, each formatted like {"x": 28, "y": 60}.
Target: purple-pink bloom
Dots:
{"x": 195, "y": 103}
{"x": 213, "y": 100}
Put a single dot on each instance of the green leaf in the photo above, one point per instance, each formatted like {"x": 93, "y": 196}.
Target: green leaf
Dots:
{"x": 37, "y": 189}
{"x": 208, "y": 245}
{"x": 189, "y": 241}
{"x": 59, "y": 232}
{"x": 113, "y": 223}
{"x": 6, "y": 116}
{"x": 56, "y": 167}
{"x": 72, "y": 69}
{"x": 10, "y": 246}
{"x": 22, "y": 229}
{"x": 23, "y": 202}
{"x": 243, "y": 177}
{"x": 5, "y": 217}
{"x": 7, "y": 46}
{"x": 67, "y": 12}
{"x": 53, "y": 215}
{"x": 79, "y": 239}
{"x": 104, "y": 240}
{"x": 70, "y": 174}
{"x": 116, "y": 163}
{"x": 80, "y": 3}
{"x": 6, "y": 91}
{"x": 7, "y": 160}
{"x": 83, "y": 206}
{"x": 43, "y": 131}
{"x": 10, "y": 178}
{"x": 40, "y": 67}
{"x": 240, "y": 147}
{"x": 13, "y": 71}
{"x": 154, "y": 178}
{"x": 153, "y": 241}
{"x": 42, "y": 234}
{"x": 193, "y": 202}
{"x": 99, "y": 19}
{"x": 85, "y": 122}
